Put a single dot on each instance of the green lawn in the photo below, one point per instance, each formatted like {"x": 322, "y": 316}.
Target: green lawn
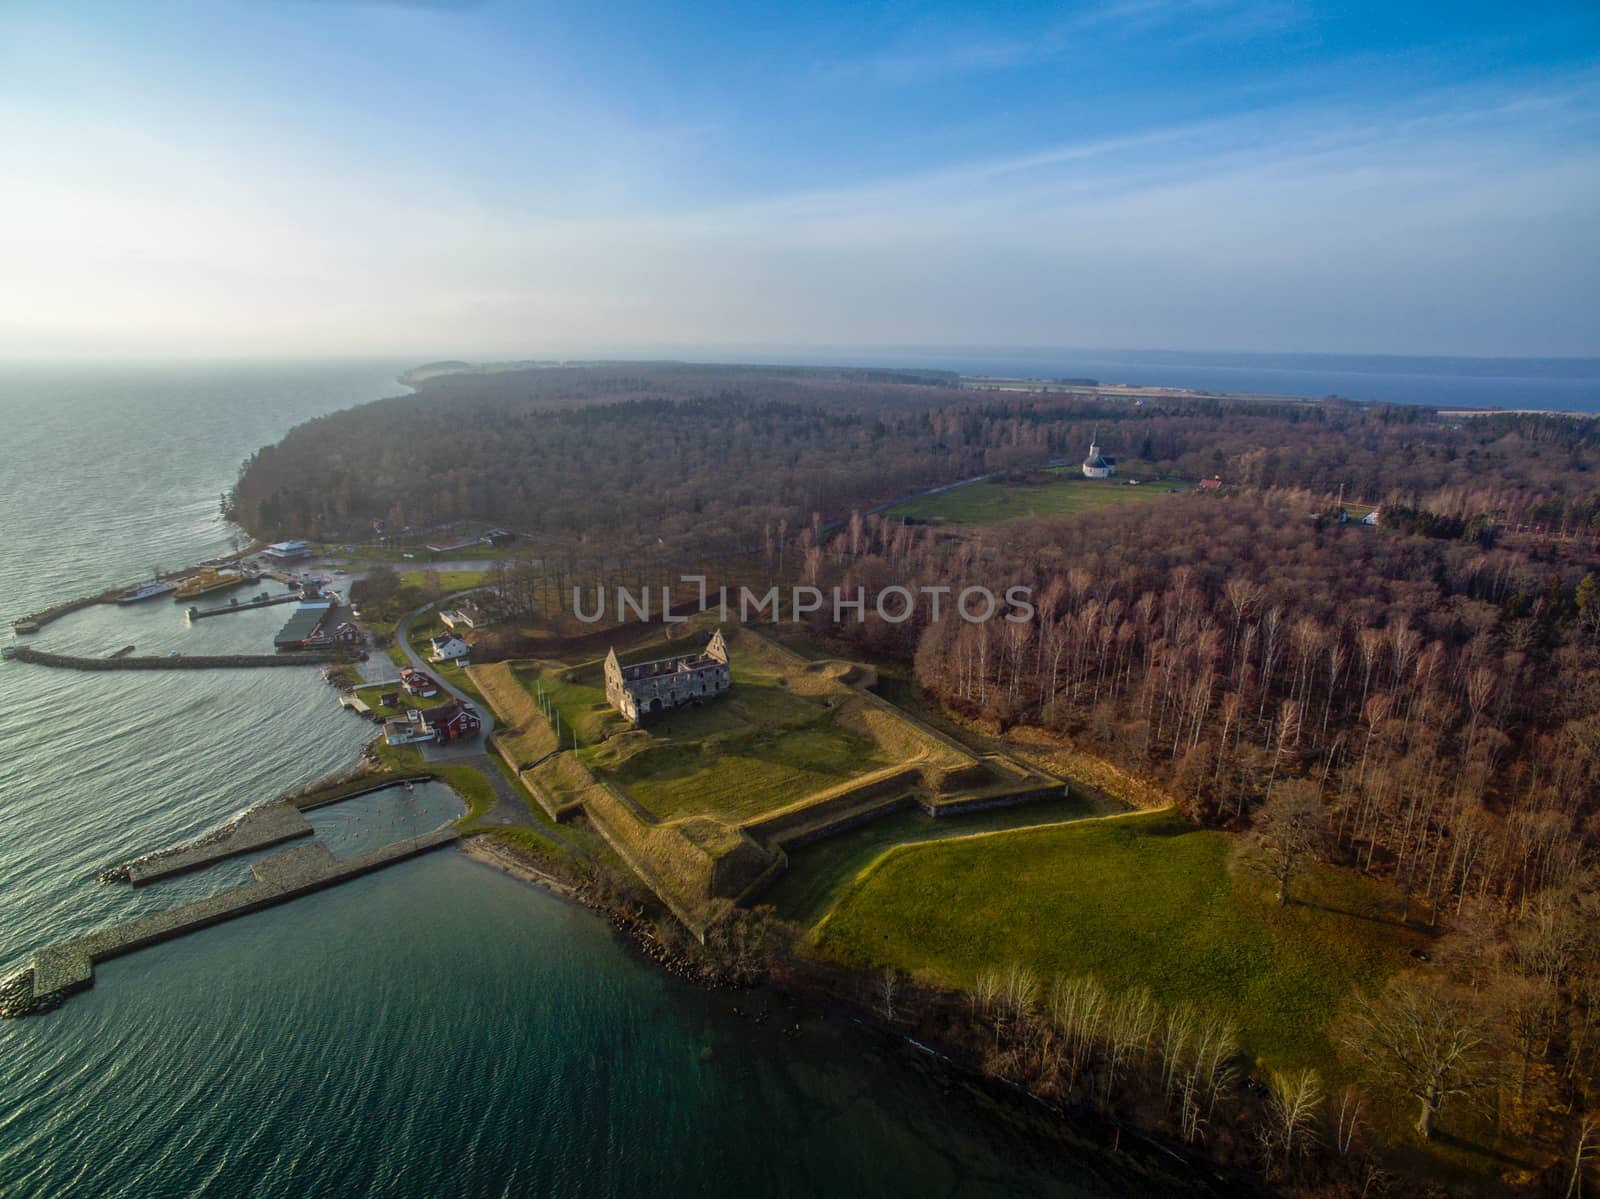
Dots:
{"x": 579, "y": 696}
{"x": 1144, "y": 900}
{"x": 746, "y": 776}
{"x": 757, "y": 749}
{"x": 407, "y": 702}
{"x": 820, "y": 872}
{"x": 992, "y": 503}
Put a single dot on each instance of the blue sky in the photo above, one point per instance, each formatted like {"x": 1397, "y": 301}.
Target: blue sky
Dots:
{"x": 315, "y": 177}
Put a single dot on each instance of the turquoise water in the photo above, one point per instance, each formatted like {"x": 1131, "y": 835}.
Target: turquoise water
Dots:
{"x": 434, "y": 1029}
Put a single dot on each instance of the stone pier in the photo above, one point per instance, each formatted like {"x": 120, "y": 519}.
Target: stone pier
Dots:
{"x": 64, "y": 969}
{"x": 259, "y": 828}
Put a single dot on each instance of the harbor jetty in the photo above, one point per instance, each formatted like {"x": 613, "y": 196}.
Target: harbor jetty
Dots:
{"x": 39, "y": 657}
{"x": 259, "y": 828}
{"x": 267, "y": 601}
{"x": 64, "y": 969}
{"x": 35, "y": 621}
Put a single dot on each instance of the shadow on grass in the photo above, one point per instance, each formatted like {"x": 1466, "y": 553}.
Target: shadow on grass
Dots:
{"x": 1369, "y": 917}
{"x": 1466, "y": 1145}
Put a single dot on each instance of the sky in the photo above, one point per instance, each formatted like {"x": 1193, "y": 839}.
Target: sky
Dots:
{"x": 315, "y": 177}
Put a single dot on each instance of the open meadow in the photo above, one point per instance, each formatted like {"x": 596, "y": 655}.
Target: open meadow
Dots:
{"x": 991, "y": 503}
{"x": 1142, "y": 900}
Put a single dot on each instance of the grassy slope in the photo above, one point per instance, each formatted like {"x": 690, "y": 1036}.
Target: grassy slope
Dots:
{"x": 1143, "y": 900}
{"x": 992, "y": 503}
{"x": 820, "y": 872}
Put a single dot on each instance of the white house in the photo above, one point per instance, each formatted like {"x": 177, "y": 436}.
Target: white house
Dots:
{"x": 408, "y": 730}
{"x": 447, "y": 647}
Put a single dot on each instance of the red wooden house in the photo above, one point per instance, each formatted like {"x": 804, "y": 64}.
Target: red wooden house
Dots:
{"x": 419, "y": 684}
{"x": 453, "y": 721}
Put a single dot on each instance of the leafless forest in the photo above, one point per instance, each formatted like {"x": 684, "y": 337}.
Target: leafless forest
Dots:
{"x": 1419, "y": 700}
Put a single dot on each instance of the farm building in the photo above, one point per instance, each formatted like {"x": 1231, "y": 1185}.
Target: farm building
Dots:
{"x": 647, "y": 689}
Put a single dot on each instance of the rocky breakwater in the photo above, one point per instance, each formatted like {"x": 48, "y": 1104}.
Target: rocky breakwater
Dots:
{"x": 16, "y": 994}
{"x": 256, "y": 828}
{"x": 39, "y": 657}
{"x": 66, "y": 968}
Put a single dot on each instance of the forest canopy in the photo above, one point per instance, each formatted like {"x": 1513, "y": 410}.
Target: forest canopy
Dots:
{"x": 703, "y": 458}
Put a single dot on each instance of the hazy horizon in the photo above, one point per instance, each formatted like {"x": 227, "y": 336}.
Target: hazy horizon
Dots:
{"x": 1210, "y": 176}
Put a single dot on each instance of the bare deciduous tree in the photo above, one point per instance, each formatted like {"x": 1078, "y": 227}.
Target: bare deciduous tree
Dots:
{"x": 1294, "y": 1099}
{"x": 888, "y": 987}
{"x": 1292, "y": 825}
{"x": 1426, "y": 1040}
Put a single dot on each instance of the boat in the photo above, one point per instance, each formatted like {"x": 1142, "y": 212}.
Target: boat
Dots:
{"x": 148, "y": 590}
{"x": 209, "y": 579}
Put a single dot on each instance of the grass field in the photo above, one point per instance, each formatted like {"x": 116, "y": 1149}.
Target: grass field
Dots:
{"x": 820, "y": 872}
{"x": 758, "y": 748}
{"x": 579, "y": 696}
{"x": 755, "y": 750}
{"x": 1143, "y": 900}
{"x": 993, "y": 503}
{"x": 407, "y": 702}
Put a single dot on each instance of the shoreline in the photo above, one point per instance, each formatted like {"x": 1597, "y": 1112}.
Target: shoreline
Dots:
{"x": 1083, "y": 1128}
{"x": 638, "y": 930}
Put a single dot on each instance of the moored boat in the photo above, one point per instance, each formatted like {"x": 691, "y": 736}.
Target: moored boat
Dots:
{"x": 148, "y": 590}
{"x": 209, "y": 579}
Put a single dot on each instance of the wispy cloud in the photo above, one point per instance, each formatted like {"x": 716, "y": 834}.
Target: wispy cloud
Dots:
{"x": 925, "y": 54}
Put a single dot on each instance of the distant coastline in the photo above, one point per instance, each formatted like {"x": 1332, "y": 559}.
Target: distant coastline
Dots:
{"x": 1455, "y": 386}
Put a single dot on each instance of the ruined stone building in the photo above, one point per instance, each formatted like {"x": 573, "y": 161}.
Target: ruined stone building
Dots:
{"x": 646, "y": 689}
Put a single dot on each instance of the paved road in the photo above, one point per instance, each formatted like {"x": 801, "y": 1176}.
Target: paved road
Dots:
{"x": 451, "y": 751}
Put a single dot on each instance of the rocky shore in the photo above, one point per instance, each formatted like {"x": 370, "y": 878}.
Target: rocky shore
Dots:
{"x": 16, "y": 995}
{"x": 640, "y": 931}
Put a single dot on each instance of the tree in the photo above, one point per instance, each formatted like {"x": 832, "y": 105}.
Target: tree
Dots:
{"x": 1292, "y": 1105}
{"x": 1426, "y": 1040}
{"x": 1291, "y": 825}
{"x": 888, "y": 988}
{"x": 1583, "y": 1152}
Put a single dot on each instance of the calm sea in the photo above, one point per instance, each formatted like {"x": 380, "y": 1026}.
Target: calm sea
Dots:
{"x": 1552, "y": 384}
{"x": 435, "y": 1029}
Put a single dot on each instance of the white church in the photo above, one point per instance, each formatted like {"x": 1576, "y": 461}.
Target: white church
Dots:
{"x": 1097, "y": 465}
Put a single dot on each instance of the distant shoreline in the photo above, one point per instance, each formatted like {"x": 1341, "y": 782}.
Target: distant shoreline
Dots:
{"x": 1023, "y": 383}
